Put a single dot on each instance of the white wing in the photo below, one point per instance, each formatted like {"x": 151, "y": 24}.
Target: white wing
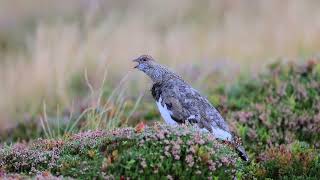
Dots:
{"x": 165, "y": 113}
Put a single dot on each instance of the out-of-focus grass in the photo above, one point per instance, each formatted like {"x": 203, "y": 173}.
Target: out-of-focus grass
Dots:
{"x": 46, "y": 46}
{"x": 102, "y": 109}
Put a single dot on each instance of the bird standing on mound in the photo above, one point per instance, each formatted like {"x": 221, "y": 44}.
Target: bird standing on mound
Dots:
{"x": 179, "y": 103}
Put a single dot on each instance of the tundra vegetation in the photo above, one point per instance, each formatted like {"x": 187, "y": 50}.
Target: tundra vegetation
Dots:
{"x": 72, "y": 107}
{"x": 276, "y": 114}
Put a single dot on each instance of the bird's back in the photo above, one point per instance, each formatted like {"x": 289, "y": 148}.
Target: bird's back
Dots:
{"x": 194, "y": 107}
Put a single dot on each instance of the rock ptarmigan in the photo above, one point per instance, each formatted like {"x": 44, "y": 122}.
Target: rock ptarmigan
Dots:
{"x": 179, "y": 103}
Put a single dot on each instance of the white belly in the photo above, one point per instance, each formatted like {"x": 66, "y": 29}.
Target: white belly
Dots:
{"x": 165, "y": 113}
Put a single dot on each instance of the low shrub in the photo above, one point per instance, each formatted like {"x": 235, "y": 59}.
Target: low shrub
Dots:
{"x": 293, "y": 161}
{"x": 150, "y": 152}
{"x": 279, "y": 107}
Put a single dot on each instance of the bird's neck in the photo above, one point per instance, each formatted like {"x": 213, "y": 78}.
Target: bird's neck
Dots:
{"x": 161, "y": 74}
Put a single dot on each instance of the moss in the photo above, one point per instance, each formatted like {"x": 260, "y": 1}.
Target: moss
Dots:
{"x": 150, "y": 152}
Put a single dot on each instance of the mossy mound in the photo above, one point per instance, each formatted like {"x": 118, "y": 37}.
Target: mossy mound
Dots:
{"x": 145, "y": 152}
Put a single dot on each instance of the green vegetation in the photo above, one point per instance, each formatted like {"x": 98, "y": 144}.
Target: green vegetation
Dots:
{"x": 276, "y": 114}
{"x": 47, "y": 46}
{"x": 279, "y": 107}
{"x": 151, "y": 152}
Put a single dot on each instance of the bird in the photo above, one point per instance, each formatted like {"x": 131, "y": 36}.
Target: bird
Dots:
{"x": 180, "y": 103}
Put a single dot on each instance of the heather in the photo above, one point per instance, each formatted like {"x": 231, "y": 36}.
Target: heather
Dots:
{"x": 150, "y": 152}
{"x": 279, "y": 107}
{"x": 277, "y": 115}
{"x": 51, "y": 50}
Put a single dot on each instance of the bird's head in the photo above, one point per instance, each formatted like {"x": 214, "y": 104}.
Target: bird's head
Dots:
{"x": 154, "y": 70}
{"x": 145, "y": 63}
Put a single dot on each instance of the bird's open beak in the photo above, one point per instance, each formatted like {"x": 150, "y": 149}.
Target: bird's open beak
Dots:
{"x": 136, "y": 61}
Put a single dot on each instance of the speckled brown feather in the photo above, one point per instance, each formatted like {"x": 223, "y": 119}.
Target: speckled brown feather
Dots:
{"x": 184, "y": 102}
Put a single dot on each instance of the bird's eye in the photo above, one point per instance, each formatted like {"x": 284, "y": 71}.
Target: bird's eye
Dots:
{"x": 144, "y": 59}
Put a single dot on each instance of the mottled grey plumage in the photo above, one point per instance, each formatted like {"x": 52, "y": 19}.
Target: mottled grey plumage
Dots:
{"x": 179, "y": 102}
